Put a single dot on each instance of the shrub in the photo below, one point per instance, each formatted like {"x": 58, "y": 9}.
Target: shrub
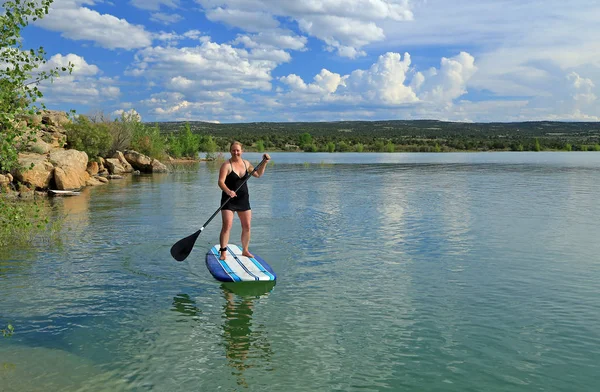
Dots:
{"x": 23, "y": 221}
{"x": 94, "y": 139}
{"x": 148, "y": 141}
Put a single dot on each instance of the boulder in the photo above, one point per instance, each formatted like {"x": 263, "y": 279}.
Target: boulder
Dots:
{"x": 93, "y": 168}
{"x": 139, "y": 161}
{"x": 67, "y": 180}
{"x": 144, "y": 163}
{"x": 93, "y": 181}
{"x": 114, "y": 166}
{"x": 54, "y": 117}
{"x": 4, "y": 183}
{"x": 39, "y": 175}
{"x": 119, "y": 155}
{"x": 73, "y": 164}
{"x": 40, "y": 146}
{"x": 159, "y": 167}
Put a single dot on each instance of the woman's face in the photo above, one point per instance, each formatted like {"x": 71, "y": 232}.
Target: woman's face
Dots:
{"x": 236, "y": 150}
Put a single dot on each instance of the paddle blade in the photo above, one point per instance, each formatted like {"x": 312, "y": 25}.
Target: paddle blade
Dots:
{"x": 182, "y": 248}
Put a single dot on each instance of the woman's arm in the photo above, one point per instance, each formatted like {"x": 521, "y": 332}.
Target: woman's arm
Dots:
{"x": 261, "y": 170}
{"x": 223, "y": 172}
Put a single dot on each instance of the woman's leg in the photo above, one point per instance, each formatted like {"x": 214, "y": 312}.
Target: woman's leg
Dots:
{"x": 227, "y": 216}
{"x": 246, "y": 220}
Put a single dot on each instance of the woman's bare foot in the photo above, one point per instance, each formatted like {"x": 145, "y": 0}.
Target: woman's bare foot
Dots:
{"x": 223, "y": 255}
{"x": 247, "y": 254}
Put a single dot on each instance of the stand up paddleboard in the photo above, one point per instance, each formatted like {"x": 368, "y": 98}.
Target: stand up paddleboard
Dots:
{"x": 237, "y": 268}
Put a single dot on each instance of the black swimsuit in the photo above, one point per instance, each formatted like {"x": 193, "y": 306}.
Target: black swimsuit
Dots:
{"x": 242, "y": 201}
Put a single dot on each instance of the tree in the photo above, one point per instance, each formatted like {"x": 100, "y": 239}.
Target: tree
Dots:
{"x": 20, "y": 74}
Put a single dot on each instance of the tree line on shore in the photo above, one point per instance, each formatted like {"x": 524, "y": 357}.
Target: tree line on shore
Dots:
{"x": 398, "y": 136}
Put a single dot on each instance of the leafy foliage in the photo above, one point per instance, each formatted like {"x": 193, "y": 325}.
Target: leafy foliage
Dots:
{"x": 20, "y": 74}
{"x": 22, "y": 222}
{"x": 8, "y": 331}
{"x": 149, "y": 141}
{"x": 93, "y": 138}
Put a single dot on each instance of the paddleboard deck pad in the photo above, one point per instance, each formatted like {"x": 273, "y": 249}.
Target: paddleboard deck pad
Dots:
{"x": 237, "y": 268}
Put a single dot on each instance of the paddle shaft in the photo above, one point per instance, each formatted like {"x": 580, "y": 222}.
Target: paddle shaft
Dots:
{"x": 183, "y": 247}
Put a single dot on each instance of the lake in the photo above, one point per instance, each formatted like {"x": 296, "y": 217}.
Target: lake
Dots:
{"x": 396, "y": 272}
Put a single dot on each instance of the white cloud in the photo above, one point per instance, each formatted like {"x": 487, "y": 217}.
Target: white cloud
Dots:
{"x": 582, "y": 88}
{"x": 344, "y": 25}
{"x": 80, "y": 66}
{"x": 390, "y": 88}
{"x": 84, "y": 86}
{"x": 281, "y": 39}
{"x": 252, "y": 21}
{"x": 83, "y": 23}
{"x": 209, "y": 66}
{"x": 521, "y": 49}
{"x": 127, "y": 115}
{"x": 384, "y": 82}
{"x": 450, "y": 81}
{"x": 166, "y": 19}
{"x": 207, "y": 106}
{"x": 154, "y": 5}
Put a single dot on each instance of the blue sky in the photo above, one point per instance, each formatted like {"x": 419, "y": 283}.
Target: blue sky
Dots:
{"x": 282, "y": 60}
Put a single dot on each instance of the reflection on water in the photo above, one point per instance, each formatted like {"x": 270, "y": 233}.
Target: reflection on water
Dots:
{"x": 425, "y": 272}
{"x": 185, "y": 305}
{"x": 246, "y": 345}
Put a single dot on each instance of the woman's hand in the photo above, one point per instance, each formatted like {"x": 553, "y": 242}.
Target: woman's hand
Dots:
{"x": 267, "y": 157}
{"x": 231, "y": 194}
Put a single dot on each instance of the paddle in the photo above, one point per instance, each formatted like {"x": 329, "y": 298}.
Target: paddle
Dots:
{"x": 182, "y": 248}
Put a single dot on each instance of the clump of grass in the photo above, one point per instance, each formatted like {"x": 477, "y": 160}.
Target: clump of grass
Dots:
{"x": 8, "y": 331}
{"x": 23, "y": 223}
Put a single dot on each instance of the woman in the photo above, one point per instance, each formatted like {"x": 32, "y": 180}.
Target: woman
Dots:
{"x": 231, "y": 176}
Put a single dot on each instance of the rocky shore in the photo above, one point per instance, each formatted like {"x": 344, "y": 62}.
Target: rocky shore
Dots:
{"x": 47, "y": 165}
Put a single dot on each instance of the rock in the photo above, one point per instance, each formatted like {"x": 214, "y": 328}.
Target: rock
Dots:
{"x": 126, "y": 165}
{"x": 139, "y": 161}
{"x": 66, "y": 180}
{"x": 73, "y": 164}
{"x": 4, "y": 183}
{"x": 114, "y": 166}
{"x": 144, "y": 163}
{"x": 33, "y": 120}
{"x": 54, "y": 117}
{"x": 40, "y": 146}
{"x": 103, "y": 180}
{"x": 115, "y": 177}
{"x": 93, "y": 168}
{"x": 69, "y": 159}
{"x": 40, "y": 175}
{"x": 93, "y": 181}
{"x": 158, "y": 167}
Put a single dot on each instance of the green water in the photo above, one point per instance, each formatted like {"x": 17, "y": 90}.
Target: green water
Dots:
{"x": 396, "y": 272}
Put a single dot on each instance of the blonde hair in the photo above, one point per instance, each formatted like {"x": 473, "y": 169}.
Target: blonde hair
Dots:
{"x": 236, "y": 143}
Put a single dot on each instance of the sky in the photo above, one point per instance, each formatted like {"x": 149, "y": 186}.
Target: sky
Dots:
{"x": 230, "y": 61}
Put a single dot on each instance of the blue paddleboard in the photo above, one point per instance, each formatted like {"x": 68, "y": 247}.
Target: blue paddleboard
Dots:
{"x": 237, "y": 268}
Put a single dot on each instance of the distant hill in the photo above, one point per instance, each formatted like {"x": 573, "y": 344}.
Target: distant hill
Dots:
{"x": 405, "y": 135}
